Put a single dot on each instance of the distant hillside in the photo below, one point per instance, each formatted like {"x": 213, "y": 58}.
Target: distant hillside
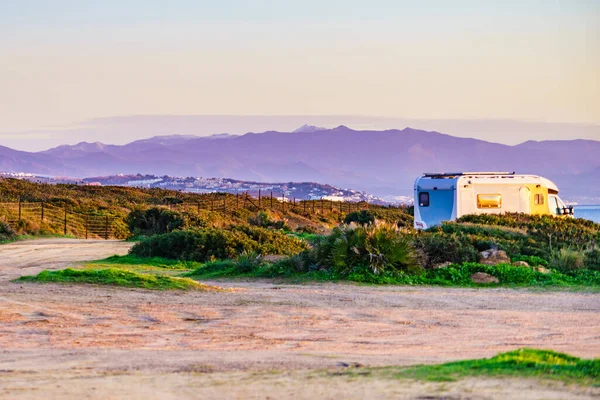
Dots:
{"x": 380, "y": 162}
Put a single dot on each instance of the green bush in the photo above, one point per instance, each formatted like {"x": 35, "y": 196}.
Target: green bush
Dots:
{"x": 510, "y": 239}
{"x": 363, "y": 217}
{"x": 6, "y": 232}
{"x": 214, "y": 244}
{"x": 154, "y": 221}
{"x": 248, "y": 261}
{"x": 401, "y": 216}
{"x": 592, "y": 259}
{"x": 453, "y": 275}
{"x": 440, "y": 247}
{"x": 568, "y": 260}
{"x": 551, "y": 232}
{"x": 264, "y": 219}
{"x": 379, "y": 247}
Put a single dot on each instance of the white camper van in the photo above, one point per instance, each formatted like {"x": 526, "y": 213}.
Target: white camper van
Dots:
{"x": 447, "y": 196}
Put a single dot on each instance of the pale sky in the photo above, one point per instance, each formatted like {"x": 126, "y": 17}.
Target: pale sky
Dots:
{"x": 67, "y": 61}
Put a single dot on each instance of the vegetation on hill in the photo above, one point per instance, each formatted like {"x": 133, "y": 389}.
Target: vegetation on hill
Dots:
{"x": 143, "y": 212}
{"x": 377, "y": 245}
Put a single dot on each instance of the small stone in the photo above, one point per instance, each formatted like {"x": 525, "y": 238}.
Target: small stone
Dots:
{"x": 442, "y": 265}
{"x": 521, "y": 264}
{"x": 493, "y": 257}
{"x": 482, "y": 277}
{"x": 542, "y": 270}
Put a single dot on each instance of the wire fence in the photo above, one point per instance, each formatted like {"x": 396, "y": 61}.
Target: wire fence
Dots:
{"x": 222, "y": 202}
{"x": 58, "y": 220}
{"x": 62, "y": 220}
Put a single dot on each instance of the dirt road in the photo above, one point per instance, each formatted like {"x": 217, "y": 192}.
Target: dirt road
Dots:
{"x": 90, "y": 340}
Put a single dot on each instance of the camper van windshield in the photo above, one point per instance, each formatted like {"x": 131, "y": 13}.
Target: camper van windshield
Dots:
{"x": 557, "y": 207}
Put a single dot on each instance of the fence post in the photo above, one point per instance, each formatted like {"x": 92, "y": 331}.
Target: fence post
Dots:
{"x": 198, "y": 206}
{"x": 322, "y": 210}
{"x": 331, "y": 206}
{"x": 313, "y": 205}
{"x": 237, "y": 200}
{"x": 259, "y": 205}
{"x": 65, "y": 220}
{"x": 86, "y": 226}
{"x": 283, "y": 201}
{"x": 225, "y": 203}
{"x": 212, "y": 203}
{"x": 19, "y": 208}
{"x": 42, "y": 211}
{"x": 271, "y": 199}
{"x": 106, "y": 228}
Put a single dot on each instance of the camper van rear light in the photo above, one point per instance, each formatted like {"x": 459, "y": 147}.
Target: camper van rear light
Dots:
{"x": 489, "y": 200}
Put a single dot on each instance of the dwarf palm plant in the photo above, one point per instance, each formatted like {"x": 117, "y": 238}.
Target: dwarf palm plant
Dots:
{"x": 379, "y": 246}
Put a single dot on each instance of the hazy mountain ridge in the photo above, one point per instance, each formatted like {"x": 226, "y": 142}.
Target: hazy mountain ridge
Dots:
{"x": 382, "y": 162}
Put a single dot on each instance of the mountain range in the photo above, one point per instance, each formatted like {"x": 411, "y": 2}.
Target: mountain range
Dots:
{"x": 382, "y": 162}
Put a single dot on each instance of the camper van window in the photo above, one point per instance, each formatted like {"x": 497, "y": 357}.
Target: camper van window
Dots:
{"x": 489, "y": 200}
{"x": 553, "y": 206}
{"x": 538, "y": 199}
{"x": 424, "y": 199}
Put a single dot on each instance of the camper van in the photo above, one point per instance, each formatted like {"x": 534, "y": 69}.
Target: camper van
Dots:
{"x": 447, "y": 196}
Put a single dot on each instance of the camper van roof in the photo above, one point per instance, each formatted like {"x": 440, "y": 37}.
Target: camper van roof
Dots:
{"x": 449, "y": 174}
{"x": 484, "y": 178}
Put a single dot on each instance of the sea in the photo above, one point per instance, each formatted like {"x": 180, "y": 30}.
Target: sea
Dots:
{"x": 588, "y": 212}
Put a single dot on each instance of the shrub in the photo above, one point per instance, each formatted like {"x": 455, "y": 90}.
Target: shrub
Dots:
{"x": 592, "y": 259}
{"x": 379, "y": 247}
{"x": 439, "y": 247}
{"x": 510, "y": 239}
{"x": 6, "y": 232}
{"x": 398, "y": 216}
{"x": 552, "y": 232}
{"x": 154, "y": 221}
{"x": 248, "y": 261}
{"x": 568, "y": 260}
{"x": 213, "y": 244}
{"x": 363, "y": 217}
{"x": 264, "y": 219}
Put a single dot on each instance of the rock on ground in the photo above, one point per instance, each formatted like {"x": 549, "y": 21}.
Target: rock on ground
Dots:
{"x": 482, "y": 277}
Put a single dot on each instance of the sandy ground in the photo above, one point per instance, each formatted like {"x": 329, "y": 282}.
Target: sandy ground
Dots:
{"x": 273, "y": 340}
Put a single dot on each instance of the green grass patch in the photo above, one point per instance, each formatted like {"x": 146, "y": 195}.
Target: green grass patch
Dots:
{"x": 460, "y": 275}
{"x": 306, "y": 236}
{"x": 115, "y": 277}
{"x": 155, "y": 262}
{"x": 522, "y": 363}
{"x": 456, "y": 275}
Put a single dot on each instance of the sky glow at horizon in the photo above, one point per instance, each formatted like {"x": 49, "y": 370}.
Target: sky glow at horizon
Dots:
{"x": 62, "y": 62}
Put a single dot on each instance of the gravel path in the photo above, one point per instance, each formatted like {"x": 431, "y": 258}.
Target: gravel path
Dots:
{"x": 94, "y": 336}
